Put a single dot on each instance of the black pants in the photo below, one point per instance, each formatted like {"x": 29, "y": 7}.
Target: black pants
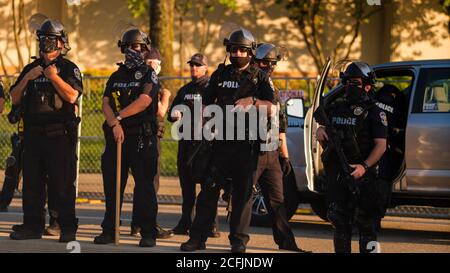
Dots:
{"x": 238, "y": 161}
{"x": 143, "y": 168}
{"x": 270, "y": 178}
{"x": 52, "y": 160}
{"x": 12, "y": 177}
{"x": 188, "y": 185}
{"x": 155, "y": 180}
{"x": 346, "y": 209}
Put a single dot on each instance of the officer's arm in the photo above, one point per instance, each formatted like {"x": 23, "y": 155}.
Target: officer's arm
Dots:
{"x": 108, "y": 112}
{"x": 139, "y": 105}
{"x": 18, "y": 90}
{"x": 163, "y": 104}
{"x": 67, "y": 92}
{"x": 283, "y": 146}
{"x": 377, "y": 151}
{"x": 271, "y": 108}
{"x": 176, "y": 101}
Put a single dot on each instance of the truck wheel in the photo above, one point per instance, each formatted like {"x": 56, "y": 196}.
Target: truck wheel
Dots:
{"x": 260, "y": 214}
{"x": 320, "y": 206}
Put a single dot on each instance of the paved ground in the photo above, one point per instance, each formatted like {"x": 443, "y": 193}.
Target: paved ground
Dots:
{"x": 399, "y": 234}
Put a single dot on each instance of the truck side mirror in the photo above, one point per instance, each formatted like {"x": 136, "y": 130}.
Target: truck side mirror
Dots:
{"x": 295, "y": 108}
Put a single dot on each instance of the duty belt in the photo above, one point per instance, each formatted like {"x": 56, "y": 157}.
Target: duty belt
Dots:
{"x": 55, "y": 129}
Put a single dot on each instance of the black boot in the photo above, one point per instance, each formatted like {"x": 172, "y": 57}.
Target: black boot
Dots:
{"x": 147, "y": 242}
{"x": 17, "y": 227}
{"x": 238, "y": 248}
{"x": 192, "y": 245}
{"x": 162, "y": 233}
{"x": 68, "y": 236}
{"x": 104, "y": 238}
{"x": 25, "y": 233}
{"x": 180, "y": 230}
{"x": 53, "y": 229}
{"x": 214, "y": 233}
{"x": 135, "y": 230}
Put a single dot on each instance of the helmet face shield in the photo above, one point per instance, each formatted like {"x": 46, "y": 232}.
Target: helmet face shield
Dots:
{"x": 48, "y": 35}
{"x": 134, "y": 36}
{"x": 358, "y": 70}
{"x": 48, "y": 43}
{"x": 241, "y": 38}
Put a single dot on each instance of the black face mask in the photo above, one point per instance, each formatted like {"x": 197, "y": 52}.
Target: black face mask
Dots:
{"x": 240, "y": 62}
{"x": 48, "y": 44}
{"x": 355, "y": 94}
{"x": 267, "y": 69}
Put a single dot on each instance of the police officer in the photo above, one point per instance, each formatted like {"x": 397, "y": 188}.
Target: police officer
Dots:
{"x": 242, "y": 85}
{"x": 388, "y": 98}
{"x": 153, "y": 59}
{"x": 273, "y": 165}
{"x": 189, "y": 94}
{"x": 13, "y": 172}
{"x": 48, "y": 89}
{"x": 362, "y": 128}
{"x": 130, "y": 93}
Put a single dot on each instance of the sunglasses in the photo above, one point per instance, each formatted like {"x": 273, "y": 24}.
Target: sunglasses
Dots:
{"x": 195, "y": 64}
{"x": 239, "y": 49}
{"x": 265, "y": 62}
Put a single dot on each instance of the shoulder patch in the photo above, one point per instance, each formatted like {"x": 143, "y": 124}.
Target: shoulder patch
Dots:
{"x": 138, "y": 75}
{"x": 77, "y": 73}
{"x": 383, "y": 118}
{"x": 358, "y": 111}
{"x": 154, "y": 77}
{"x": 271, "y": 84}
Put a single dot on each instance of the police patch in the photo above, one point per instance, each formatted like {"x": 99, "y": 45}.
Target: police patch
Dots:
{"x": 154, "y": 77}
{"x": 358, "y": 111}
{"x": 77, "y": 73}
{"x": 383, "y": 119}
{"x": 271, "y": 84}
{"x": 138, "y": 75}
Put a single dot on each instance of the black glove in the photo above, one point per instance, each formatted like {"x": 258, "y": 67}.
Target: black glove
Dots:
{"x": 161, "y": 129}
{"x": 285, "y": 166}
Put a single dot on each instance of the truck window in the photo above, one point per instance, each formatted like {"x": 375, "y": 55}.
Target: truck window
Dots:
{"x": 433, "y": 94}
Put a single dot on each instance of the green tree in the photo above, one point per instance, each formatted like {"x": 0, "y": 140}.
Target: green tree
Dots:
{"x": 312, "y": 18}
{"x": 161, "y": 14}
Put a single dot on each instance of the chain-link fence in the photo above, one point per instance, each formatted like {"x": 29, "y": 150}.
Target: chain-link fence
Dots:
{"x": 91, "y": 137}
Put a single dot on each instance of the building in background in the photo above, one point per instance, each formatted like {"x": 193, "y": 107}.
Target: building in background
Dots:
{"x": 394, "y": 34}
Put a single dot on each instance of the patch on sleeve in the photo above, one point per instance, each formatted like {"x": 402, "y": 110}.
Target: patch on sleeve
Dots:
{"x": 154, "y": 77}
{"x": 77, "y": 73}
{"x": 383, "y": 119}
{"x": 271, "y": 84}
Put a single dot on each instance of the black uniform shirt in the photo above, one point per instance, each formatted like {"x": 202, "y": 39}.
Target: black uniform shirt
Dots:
{"x": 125, "y": 86}
{"x": 386, "y": 102}
{"x": 224, "y": 85}
{"x": 358, "y": 125}
{"x": 42, "y": 103}
{"x": 192, "y": 91}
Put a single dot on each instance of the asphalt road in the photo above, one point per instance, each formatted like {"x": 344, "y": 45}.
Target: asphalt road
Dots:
{"x": 398, "y": 235}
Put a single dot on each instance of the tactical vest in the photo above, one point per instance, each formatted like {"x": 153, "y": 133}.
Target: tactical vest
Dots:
{"x": 352, "y": 126}
{"x": 125, "y": 88}
{"x": 41, "y": 102}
